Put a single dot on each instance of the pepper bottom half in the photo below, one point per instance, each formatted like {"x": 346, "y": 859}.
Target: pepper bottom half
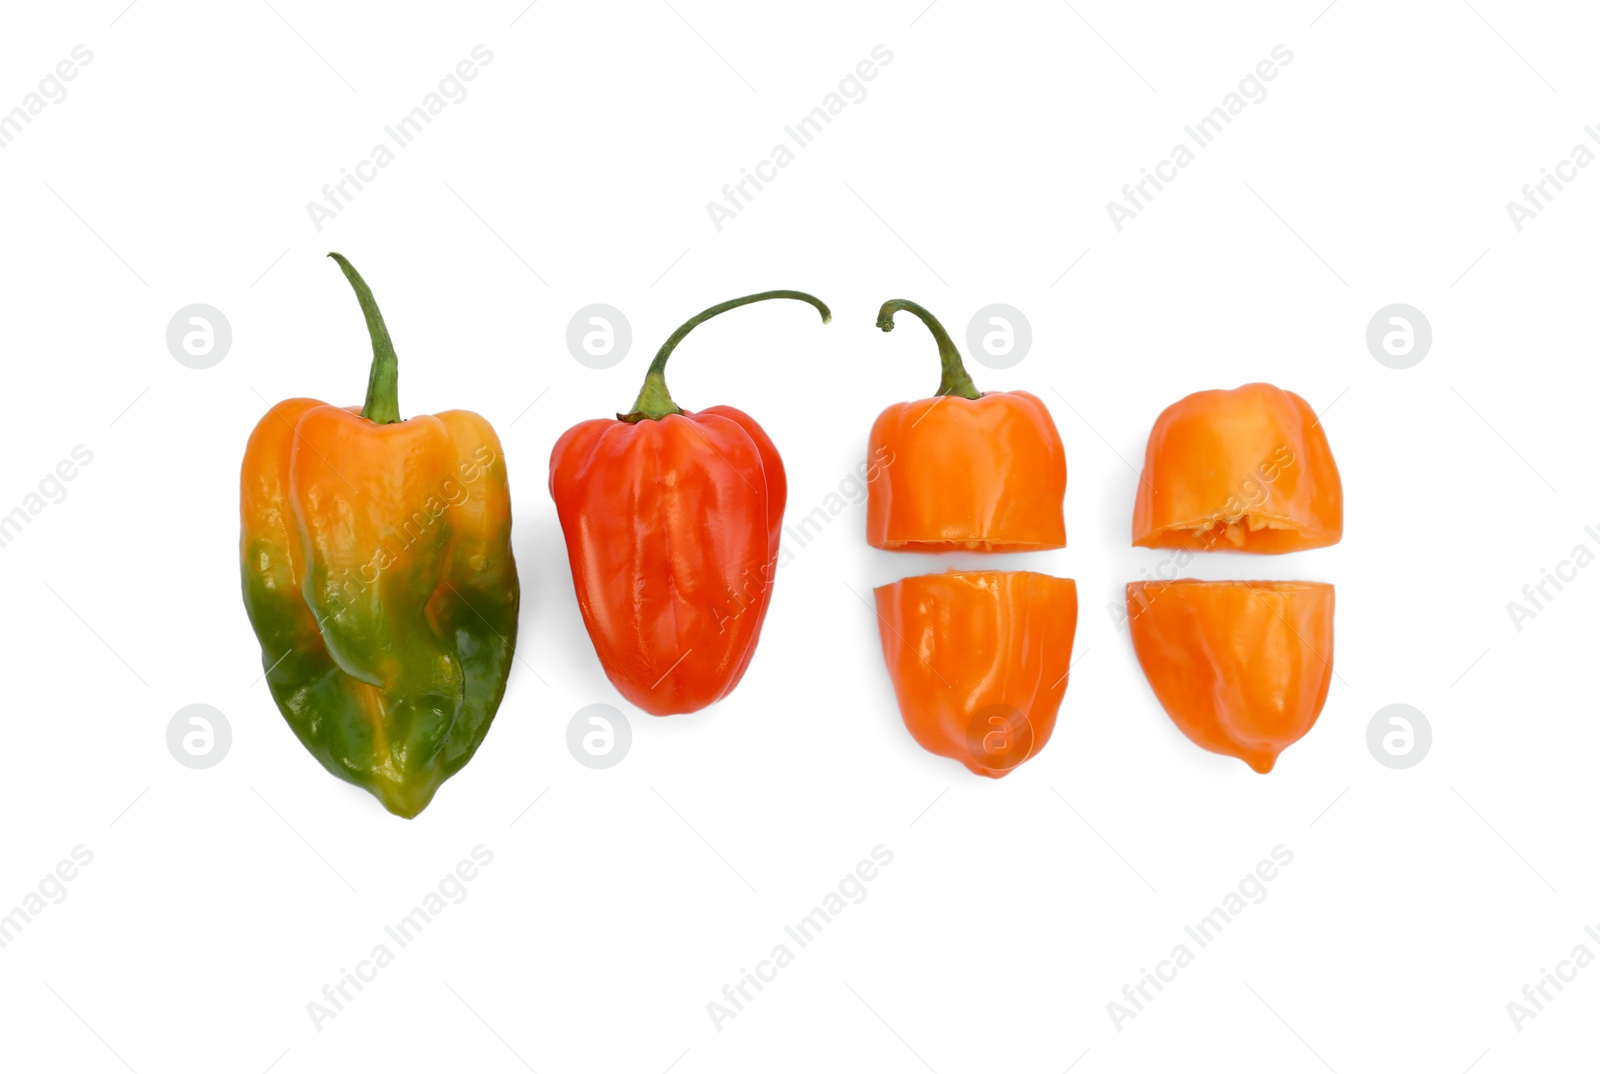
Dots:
{"x": 1241, "y": 667}
{"x": 979, "y": 661}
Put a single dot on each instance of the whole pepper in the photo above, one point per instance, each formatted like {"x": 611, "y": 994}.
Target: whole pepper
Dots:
{"x": 672, "y": 519}
{"x": 979, "y": 661}
{"x": 378, "y": 575}
{"x": 1241, "y": 667}
{"x": 973, "y": 471}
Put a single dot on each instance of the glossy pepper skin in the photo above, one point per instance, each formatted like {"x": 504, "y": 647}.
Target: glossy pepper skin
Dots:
{"x": 1241, "y": 667}
{"x": 378, "y": 576}
{"x": 672, "y": 519}
{"x": 973, "y": 471}
{"x": 979, "y": 661}
{"x": 1246, "y": 470}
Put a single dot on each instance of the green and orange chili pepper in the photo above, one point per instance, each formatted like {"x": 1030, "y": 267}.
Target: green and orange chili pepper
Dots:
{"x": 378, "y": 575}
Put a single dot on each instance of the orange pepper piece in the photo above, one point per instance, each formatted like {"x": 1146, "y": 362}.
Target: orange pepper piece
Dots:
{"x": 979, "y": 661}
{"x": 1241, "y": 667}
{"x": 1247, "y": 470}
{"x": 972, "y": 471}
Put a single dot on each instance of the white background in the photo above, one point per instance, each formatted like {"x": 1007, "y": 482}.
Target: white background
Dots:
{"x": 976, "y": 170}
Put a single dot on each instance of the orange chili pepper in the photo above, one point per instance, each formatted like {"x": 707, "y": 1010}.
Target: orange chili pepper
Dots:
{"x": 975, "y": 471}
{"x": 979, "y": 661}
{"x": 1241, "y": 667}
{"x": 1247, "y": 470}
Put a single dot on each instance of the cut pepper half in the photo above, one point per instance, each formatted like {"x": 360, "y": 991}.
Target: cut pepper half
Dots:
{"x": 1246, "y": 470}
{"x": 979, "y": 661}
{"x": 1241, "y": 667}
{"x": 965, "y": 470}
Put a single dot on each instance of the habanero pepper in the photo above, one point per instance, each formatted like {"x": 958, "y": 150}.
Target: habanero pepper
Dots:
{"x": 378, "y": 576}
{"x": 978, "y": 659}
{"x": 1242, "y": 667}
{"x": 672, "y": 519}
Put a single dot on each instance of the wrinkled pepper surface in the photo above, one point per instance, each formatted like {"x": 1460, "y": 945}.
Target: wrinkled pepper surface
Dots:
{"x": 1241, "y": 667}
{"x": 379, "y": 579}
{"x": 1246, "y": 470}
{"x": 979, "y": 661}
{"x": 973, "y": 471}
{"x": 672, "y": 519}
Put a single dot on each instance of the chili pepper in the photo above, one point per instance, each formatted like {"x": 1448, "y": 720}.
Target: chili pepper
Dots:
{"x": 1241, "y": 667}
{"x": 378, "y": 575}
{"x": 977, "y": 471}
{"x": 672, "y": 519}
{"x": 1247, "y": 470}
{"x": 979, "y": 661}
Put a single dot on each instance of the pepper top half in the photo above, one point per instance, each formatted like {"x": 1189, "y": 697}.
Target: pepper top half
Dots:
{"x": 972, "y": 471}
{"x": 1244, "y": 470}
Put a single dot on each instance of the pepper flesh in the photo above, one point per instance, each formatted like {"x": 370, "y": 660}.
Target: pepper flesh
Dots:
{"x": 1246, "y": 470}
{"x": 1241, "y": 667}
{"x": 672, "y": 521}
{"x": 378, "y": 575}
{"x": 979, "y": 661}
{"x": 973, "y": 471}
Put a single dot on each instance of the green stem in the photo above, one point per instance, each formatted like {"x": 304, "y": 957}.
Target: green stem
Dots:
{"x": 953, "y": 378}
{"x": 383, "y": 383}
{"x": 654, "y": 402}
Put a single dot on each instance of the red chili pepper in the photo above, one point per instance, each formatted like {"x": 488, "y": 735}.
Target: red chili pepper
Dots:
{"x": 672, "y": 520}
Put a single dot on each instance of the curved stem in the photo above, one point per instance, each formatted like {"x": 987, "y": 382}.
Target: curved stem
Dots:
{"x": 654, "y": 402}
{"x": 383, "y": 383}
{"x": 953, "y": 378}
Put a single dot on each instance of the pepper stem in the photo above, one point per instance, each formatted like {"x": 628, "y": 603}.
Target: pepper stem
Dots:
{"x": 654, "y": 402}
{"x": 383, "y": 383}
{"x": 953, "y": 379}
